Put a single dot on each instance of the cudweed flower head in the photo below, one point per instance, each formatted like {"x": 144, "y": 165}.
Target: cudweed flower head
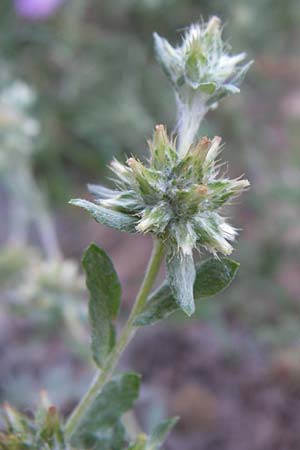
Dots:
{"x": 202, "y": 62}
{"x": 202, "y": 71}
{"x": 44, "y": 432}
{"x": 178, "y": 199}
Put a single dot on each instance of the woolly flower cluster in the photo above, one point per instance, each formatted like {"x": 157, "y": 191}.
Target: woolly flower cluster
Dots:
{"x": 202, "y": 62}
{"x": 179, "y": 194}
{"x": 176, "y": 198}
{"x": 202, "y": 72}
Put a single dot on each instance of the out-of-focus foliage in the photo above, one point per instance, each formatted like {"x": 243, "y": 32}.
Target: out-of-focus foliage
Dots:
{"x": 101, "y": 428}
{"x": 43, "y": 433}
{"x": 50, "y": 293}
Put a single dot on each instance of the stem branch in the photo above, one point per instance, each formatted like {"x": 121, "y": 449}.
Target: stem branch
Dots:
{"x": 128, "y": 332}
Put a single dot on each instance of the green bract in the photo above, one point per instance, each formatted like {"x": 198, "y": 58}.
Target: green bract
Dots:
{"x": 178, "y": 199}
{"x": 202, "y": 63}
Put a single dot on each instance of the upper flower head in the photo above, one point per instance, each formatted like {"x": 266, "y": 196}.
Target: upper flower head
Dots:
{"x": 202, "y": 63}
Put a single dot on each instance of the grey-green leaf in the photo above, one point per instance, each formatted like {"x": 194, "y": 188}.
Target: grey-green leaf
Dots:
{"x": 160, "y": 305}
{"x": 139, "y": 444}
{"x": 212, "y": 277}
{"x": 100, "y": 428}
{"x": 99, "y": 191}
{"x": 208, "y": 88}
{"x": 160, "y": 433}
{"x": 181, "y": 276}
{"x": 113, "y": 219}
{"x": 156, "y": 438}
{"x": 105, "y": 297}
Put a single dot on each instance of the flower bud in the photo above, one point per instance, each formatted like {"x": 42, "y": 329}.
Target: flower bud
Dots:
{"x": 163, "y": 151}
{"x": 202, "y": 62}
{"x": 202, "y": 72}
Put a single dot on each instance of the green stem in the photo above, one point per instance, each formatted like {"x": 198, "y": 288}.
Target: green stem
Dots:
{"x": 128, "y": 332}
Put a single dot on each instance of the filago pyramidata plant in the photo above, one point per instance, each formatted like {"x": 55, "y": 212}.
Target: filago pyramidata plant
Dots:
{"x": 176, "y": 195}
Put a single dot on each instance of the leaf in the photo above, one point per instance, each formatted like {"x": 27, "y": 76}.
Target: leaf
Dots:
{"x": 181, "y": 276}
{"x": 212, "y": 277}
{"x": 208, "y": 88}
{"x": 105, "y": 297}
{"x": 156, "y": 438}
{"x": 100, "y": 428}
{"x": 241, "y": 73}
{"x": 231, "y": 88}
{"x": 168, "y": 58}
{"x": 160, "y": 433}
{"x": 113, "y": 219}
{"x": 159, "y": 306}
{"x": 99, "y": 191}
{"x": 139, "y": 444}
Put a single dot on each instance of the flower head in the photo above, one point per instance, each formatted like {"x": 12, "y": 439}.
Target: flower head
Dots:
{"x": 202, "y": 63}
{"x": 202, "y": 72}
{"x": 176, "y": 198}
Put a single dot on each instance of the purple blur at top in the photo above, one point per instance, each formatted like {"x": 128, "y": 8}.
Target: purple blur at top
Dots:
{"x": 36, "y": 9}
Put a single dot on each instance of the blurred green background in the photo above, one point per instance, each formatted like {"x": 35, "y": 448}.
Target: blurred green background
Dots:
{"x": 99, "y": 94}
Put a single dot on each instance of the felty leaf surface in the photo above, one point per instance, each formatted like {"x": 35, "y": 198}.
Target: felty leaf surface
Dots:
{"x": 113, "y": 219}
{"x": 181, "y": 276}
{"x": 159, "y": 434}
{"x": 212, "y": 277}
{"x": 101, "y": 428}
{"x": 105, "y": 298}
{"x": 156, "y": 438}
{"x": 139, "y": 444}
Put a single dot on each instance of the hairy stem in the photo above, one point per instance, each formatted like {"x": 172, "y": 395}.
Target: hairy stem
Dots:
{"x": 128, "y": 332}
{"x": 190, "y": 116}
